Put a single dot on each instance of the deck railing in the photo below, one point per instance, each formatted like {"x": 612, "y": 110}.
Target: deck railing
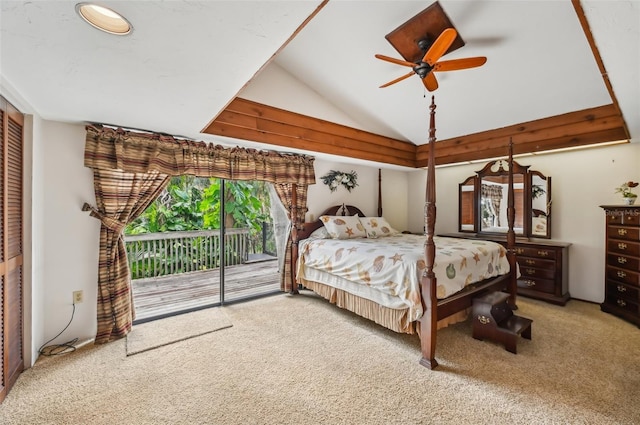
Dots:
{"x": 159, "y": 254}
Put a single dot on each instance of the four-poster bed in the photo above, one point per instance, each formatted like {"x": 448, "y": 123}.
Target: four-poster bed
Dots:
{"x": 436, "y": 306}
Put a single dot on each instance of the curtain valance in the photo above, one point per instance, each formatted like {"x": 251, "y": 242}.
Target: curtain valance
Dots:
{"x": 132, "y": 152}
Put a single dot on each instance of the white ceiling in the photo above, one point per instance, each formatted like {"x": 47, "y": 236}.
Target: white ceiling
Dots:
{"x": 186, "y": 60}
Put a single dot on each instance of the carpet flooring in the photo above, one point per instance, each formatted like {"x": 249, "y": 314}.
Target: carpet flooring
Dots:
{"x": 299, "y": 360}
{"x": 170, "y": 330}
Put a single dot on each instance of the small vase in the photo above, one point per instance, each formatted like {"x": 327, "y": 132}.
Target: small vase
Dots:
{"x": 629, "y": 201}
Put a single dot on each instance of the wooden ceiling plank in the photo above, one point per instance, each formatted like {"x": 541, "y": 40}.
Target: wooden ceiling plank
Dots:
{"x": 529, "y": 137}
{"x": 570, "y": 141}
{"x": 280, "y": 115}
{"x": 330, "y": 139}
{"x": 260, "y": 125}
{"x": 222, "y": 129}
{"x": 550, "y": 122}
{"x": 248, "y": 120}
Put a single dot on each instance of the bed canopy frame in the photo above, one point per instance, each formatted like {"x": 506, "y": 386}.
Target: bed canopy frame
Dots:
{"x": 434, "y": 309}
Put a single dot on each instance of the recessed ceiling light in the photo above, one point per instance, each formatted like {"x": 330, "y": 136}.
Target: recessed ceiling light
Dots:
{"x": 104, "y": 19}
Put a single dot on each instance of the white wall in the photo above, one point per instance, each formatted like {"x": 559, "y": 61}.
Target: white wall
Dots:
{"x": 365, "y": 195}
{"x": 581, "y": 181}
{"x": 269, "y": 86}
{"x": 70, "y": 236}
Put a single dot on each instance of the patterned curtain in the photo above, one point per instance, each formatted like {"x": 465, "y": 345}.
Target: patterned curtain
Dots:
{"x": 108, "y": 149}
{"x": 285, "y": 193}
{"x": 120, "y": 198}
{"x": 130, "y": 171}
{"x": 494, "y": 194}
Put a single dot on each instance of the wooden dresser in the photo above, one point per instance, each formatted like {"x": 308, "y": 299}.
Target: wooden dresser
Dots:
{"x": 544, "y": 266}
{"x": 622, "y": 259}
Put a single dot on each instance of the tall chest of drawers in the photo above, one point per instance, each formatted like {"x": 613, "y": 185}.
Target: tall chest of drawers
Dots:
{"x": 622, "y": 262}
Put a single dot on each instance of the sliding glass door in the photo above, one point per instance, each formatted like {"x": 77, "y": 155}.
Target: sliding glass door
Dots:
{"x": 204, "y": 242}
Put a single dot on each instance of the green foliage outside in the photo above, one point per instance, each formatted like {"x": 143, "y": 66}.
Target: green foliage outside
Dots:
{"x": 193, "y": 203}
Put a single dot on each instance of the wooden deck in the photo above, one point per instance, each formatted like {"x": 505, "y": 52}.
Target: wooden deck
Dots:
{"x": 167, "y": 295}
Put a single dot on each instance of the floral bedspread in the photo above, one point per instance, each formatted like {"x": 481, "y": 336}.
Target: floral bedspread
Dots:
{"x": 393, "y": 266}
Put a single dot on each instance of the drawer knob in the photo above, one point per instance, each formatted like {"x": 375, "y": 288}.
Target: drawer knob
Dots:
{"x": 622, "y": 288}
{"x": 529, "y": 282}
{"x": 543, "y": 253}
{"x": 484, "y": 320}
{"x": 622, "y": 260}
{"x": 519, "y": 250}
{"x": 622, "y": 245}
{"x": 622, "y": 232}
{"x": 621, "y": 303}
{"x": 530, "y": 262}
{"x": 531, "y": 271}
{"x": 622, "y": 274}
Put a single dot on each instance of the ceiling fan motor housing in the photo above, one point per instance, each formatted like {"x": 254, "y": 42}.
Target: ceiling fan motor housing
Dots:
{"x": 422, "y": 69}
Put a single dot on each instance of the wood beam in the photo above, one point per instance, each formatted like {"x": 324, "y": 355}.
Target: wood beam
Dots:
{"x": 586, "y": 127}
{"x": 248, "y": 120}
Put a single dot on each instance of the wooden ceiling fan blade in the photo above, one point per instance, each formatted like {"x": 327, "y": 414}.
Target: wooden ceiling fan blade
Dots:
{"x": 396, "y": 61}
{"x": 464, "y": 63}
{"x": 440, "y": 46}
{"x": 430, "y": 82}
{"x": 397, "y": 79}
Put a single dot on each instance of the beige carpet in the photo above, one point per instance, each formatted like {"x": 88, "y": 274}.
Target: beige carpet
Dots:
{"x": 298, "y": 360}
{"x": 150, "y": 335}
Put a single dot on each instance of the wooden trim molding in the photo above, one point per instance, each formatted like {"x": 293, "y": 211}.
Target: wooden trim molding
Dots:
{"x": 248, "y": 120}
{"x": 596, "y": 55}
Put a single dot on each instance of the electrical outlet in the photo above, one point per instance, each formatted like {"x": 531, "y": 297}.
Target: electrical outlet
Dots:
{"x": 77, "y": 297}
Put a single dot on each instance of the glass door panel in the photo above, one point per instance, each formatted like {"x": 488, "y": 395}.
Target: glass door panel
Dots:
{"x": 250, "y": 254}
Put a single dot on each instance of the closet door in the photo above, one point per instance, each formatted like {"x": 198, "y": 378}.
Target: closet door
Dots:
{"x": 11, "y": 258}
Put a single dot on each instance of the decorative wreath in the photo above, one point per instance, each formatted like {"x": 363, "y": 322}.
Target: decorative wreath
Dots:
{"x": 334, "y": 178}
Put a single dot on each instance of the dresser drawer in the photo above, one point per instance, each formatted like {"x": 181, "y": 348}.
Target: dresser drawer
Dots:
{"x": 622, "y": 303}
{"x": 631, "y": 218}
{"x": 624, "y": 232}
{"x": 538, "y": 273}
{"x": 541, "y": 252}
{"x": 623, "y": 261}
{"x": 624, "y": 276}
{"x": 624, "y": 247}
{"x": 536, "y": 262}
{"x": 538, "y": 284}
{"x": 622, "y": 291}
{"x": 627, "y": 217}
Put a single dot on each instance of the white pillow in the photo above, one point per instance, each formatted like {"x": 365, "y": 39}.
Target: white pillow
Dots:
{"x": 376, "y": 227}
{"x": 319, "y": 233}
{"x": 343, "y": 227}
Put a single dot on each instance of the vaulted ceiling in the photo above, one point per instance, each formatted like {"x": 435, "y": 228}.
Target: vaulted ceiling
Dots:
{"x": 559, "y": 74}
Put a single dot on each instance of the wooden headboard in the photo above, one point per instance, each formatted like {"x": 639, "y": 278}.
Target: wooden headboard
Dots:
{"x": 305, "y": 229}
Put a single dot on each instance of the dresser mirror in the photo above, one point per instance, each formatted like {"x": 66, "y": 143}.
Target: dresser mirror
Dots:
{"x": 483, "y": 201}
{"x": 540, "y": 204}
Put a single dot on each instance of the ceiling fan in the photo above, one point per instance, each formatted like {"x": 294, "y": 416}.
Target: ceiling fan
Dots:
{"x": 428, "y": 64}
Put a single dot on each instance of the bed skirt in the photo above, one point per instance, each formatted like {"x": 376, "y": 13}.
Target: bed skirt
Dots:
{"x": 391, "y": 318}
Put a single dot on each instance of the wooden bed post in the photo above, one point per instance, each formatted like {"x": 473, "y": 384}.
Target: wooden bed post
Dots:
{"x": 379, "y": 192}
{"x": 511, "y": 235}
{"x": 294, "y": 237}
{"x": 429, "y": 319}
